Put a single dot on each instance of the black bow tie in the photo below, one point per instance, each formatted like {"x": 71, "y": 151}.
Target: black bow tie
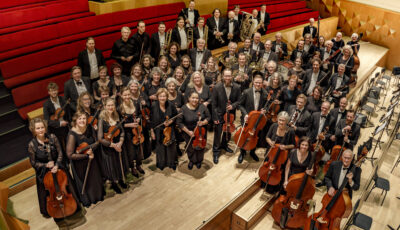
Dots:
{"x": 200, "y": 51}
{"x": 298, "y": 110}
{"x": 323, "y": 116}
{"x": 258, "y": 91}
{"x": 345, "y": 168}
{"x": 79, "y": 83}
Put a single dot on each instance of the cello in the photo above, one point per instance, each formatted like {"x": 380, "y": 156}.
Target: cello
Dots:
{"x": 60, "y": 112}
{"x": 228, "y": 126}
{"x": 336, "y": 152}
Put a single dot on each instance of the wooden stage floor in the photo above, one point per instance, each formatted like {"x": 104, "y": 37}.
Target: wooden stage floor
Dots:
{"x": 184, "y": 199}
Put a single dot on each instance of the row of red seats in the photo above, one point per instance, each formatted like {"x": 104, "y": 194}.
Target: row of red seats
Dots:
{"x": 255, "y": 3}
{"x": 12, "y": 4}
{"x": 280, "y": 6}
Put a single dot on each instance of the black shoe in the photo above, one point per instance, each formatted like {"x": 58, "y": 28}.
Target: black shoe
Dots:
{"x": 46, "y": 216}
{"x": 190, "y": 165}
{"x": 198, "y": 165}
{"x": 215, "y": 158}
{"x": 135, "y": 173}
{"x": 122, "y": 184}
{"x": 228, "y": 150}
{"x": 254, "y": 156}
{"x": 140, "y": 169}
{"x": 115, "y": 187}
{"x": 240, "y": 158}
{"x": 320, "y": 184}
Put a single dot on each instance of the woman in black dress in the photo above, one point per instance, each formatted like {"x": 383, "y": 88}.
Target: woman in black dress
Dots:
{"x": 290, "y": 93}
{"x": 186, "y": 64}
{"x": 85, "y": 105}
{"x": 188, "y": 123}
{"x": 211, "y": 73}
{"x": 154, "y": 84}
{"x": 111, "y": 150}
{"x": 346, "y": 58}
{"x": 164, "y": 67}
{"x": 181, "y": 79}
{"x": 147, "y": 63}
{"x": 197, "y": 84}
{"x": 298, "y": 160}
{"x": 104, "y": 80}
{"x": 45, "y": 155}
{"x": 130, "y": 111}
{"x": 137, "y": 74}
{"x": 118, "y": 80}
{"x": 161, "y": 111}
{"x": 174, "y": 58}
{"x": 81, "y": 133}
{"x": 314, "y": 101}
{"x": 298, "y": 71}
{"x": 175, "y": 98}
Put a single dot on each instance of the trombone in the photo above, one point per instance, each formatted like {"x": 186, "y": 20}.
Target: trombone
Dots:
{"x": 190, "y": 37}
{"x": 168, "y": 36}
{"x": 205, "y": 34}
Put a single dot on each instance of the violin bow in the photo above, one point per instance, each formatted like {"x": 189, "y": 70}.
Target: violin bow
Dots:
{"x": 86, "y": 175}
{"x": 190, "y": 140}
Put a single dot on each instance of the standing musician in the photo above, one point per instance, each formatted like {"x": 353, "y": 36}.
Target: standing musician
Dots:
{"x": 111, "y": 149}
{"x": 190, "y": 14}
{"x": 300, "y": 118}
{"x": 137, "y": 74}
{"x": 338, "y": 170}
{"x": 147, "y": 64}
{"x": 197, "y": 84}
{"x": 229, "y": 58}
{"x": 154, "y": 84}
{"x": 190, "y": 122}
{"x": 118, "y": 80}
{"x": 314, "y": 77}
{"x": 90, "y": 187}
{"x": 346, "y": 58}
{"x": 300, "y": 52}
{"x": 199, "y": 31}
{"x": 308, "y": 44}
{"x": 104, "y": 80}
{"x": 186, "y": 64}
{"x": 199, "y": 55}
{"x": 233, "y": 29}
{"x": 248, "y": 51}
{"x": 347, "y": 125}
{"x": 180, "y": 36}
{"x": 225, "y": 99}
{"x": 314, "y": 101}
{"x": 255, "y": 24}
{"x": 354, "y": 43}
{"x": 336, "y": 114}
{"x": 238, "y": 16}
{"x": 75, "y": 87}
{"x": 320, "y": 121}
{"x": 85, "y": 105}
{"x": 173, "y": 55}
{"x": 211, "y": 72}
{"x": 90, "y": 59}
{"x": 141, "y": 42}
{"x": 161, "y": 111}
{"x": 338, "y": 84}
{"x": 164, "y": 67}
{"x": 159, "y": 42}
{"x": 279, "y": 47}
{"x": 123, "y": 50}
{"x": 264, "y": 19}
{"x": 338, "y": 42}
{"x": 311, "y": 29}
{"x": 216, "y": 30}
{"x": 181, "y": 79}
{"x": 321, "y": 42}
{"x": 242, "y": 72}
{"x": 45, "y": 155}
{"x": 252, "y": 99}
{"x": 290, "y": 93}
{"x": 326, "y": 52}
{"x": 256, "y": 44}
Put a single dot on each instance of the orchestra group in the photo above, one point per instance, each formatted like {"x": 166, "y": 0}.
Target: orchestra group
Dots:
{"x": 167, "y": 89}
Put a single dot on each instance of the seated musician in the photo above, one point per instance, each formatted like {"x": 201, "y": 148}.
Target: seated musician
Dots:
{"x": 314, "y": 77}
{"x": 248, "y": 51}
{"x": 225, "y": 98}
{"x": 339, "y": 170}
{"x": 308, "y": 45}
{"x": 104, "y": 80}
{"x": 348, "y": 126}
{"x": 229, "y": 58}
{"x": 311, "y": 29}
{"x": 338, "y": 84}
{"x": 199, "y": 31}
{"x": 238, "y": 16}
{"x": 267, "y": 54}
{"x": 264, "y": 19}
{"x": 199, "y": 55}
{"x": 354, "y": 43}
{"x": 242, "y": 72}
{"x": 326, "y": 52}
{"x": 256, "y": 44}
{"x": 233, "y": 29}
{"x": 141, "y": 42}
{"x": 290, "y": 93}
{"x": 216, "y": 30}
{"x": 190, "y": 14}
{"x": 298, "y": 160}
{"x": 300, "y": 118}
{"x": 338, "y": 42}
{"x": 346, "y": 58}
{"x": 180, "y": 36}
{"x": 279, "y": 47}
{"x": 319, "y": 122}
{"x": 159, "y": 42}
{"x": 252, "y": 99}
{"x": 75, "y": 87}
{"x": 300, "y": 52}
{"x": 314, "y": 101}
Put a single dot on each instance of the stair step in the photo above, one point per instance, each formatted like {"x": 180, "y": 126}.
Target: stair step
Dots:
{"x": 21, "y": 181}
{"x": 247, "y": 214}
{"x": 14, "y": 169}
{"x": 14, "y": 147}
{"x": 7, "y": 108}
{"x": 11, "y": 126}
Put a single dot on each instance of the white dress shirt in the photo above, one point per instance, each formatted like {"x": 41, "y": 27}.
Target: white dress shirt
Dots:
{"x": 256, "y": 98}
{"x": 191, "y": 17}
{"x": 182, "y": 34}
{"x": 313, "y": 83}
{"x": 94, "y": 69}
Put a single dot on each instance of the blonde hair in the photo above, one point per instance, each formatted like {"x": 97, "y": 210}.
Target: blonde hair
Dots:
{"x": 34, "y": 121}
{"x": 80, "y": 106}
{"x": 76, "y": 116}
{"x": 104, "y": 114}
{"x": 130, "y": 104}
{"x": 191, "y": 84}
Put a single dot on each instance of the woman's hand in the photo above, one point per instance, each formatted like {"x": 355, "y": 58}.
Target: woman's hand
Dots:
{"x": 54, "y": 169}
{"x": 50, "y": 164}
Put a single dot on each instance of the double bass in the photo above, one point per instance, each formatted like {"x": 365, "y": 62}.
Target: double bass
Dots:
{"x": 356, "y": 66}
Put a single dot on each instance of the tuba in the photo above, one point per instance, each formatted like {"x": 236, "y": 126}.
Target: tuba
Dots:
{"x": 245, "y": 27}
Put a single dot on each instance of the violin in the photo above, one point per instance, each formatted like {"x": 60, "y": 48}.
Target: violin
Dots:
{"x": 145, "y": 113}
{"x": 92, "y": 120}
{"x": 229, "y": 118}
{"x": 334, "y": 208}
{"x": 137, "y": 132}
{"x": 167, "y": 134}
{"x": 291, "y": 210}
{"x": 60, "y": 112}
{"x": 114, "y": 131}
{"x": 60, "y": 203}
{"x": 83, "y": 148}
{"x": 319, "y": 150}
{"x": 200, "y": 139}
{"x": 272, "y": 113}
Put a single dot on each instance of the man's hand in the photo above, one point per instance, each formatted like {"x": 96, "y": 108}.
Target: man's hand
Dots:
{"x": 63, "y": 123}
{"x": 331, "y": 191}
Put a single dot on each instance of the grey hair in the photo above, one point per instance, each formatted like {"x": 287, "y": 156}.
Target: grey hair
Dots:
{"x": 284, "y": 115}
{"x": 171, "y": 80}
{"x": 155, "y": 70}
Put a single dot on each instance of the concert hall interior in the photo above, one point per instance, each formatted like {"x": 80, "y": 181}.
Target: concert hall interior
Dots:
{"x": 196, "y": 114}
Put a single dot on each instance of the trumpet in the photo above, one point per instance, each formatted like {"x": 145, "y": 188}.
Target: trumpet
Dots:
{"x": 220, "y": 39}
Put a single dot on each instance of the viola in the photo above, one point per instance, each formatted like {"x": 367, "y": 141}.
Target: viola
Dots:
{"x": 200, "y": 140}
{"x": 336, "y": 153}
{"x": 270, "y": 172}
{"x": 60, "y": 112}
{"x": 273, "y": 111}
{"x": 60, "y": 203}
{"x": 229, "y": 118}
{"x": 114, "y": 131}
{"x": 137, "y": 132}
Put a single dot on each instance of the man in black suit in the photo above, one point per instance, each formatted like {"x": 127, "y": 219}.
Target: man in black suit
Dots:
{"x": 340, "y": 172}
{"x": 248, "y": 51}
{"x": 238, "y": 15}
{"x": 279, "y": 47}
{"x": 123, "y": 50}
{"x": 90, "y": 60}
{"x": 141, "y": 41}
{"x": 158, "y": 42}
{"x": 252, "y": 99}
{"x": 190, "y": 14}
{"x": 256, "y": 44}
{"x": 314, "y": 77}
{"x": 75, "y": 87}
{"x": 225, "y": 97}
{"x": 300, "y": 52}
{"x": 233, "y": 30}
{"x": 338, "y": 84}
{"x": 311, "y": 29}
{"x": 349, "y": 127}
{"x": 199, "y": 31}
{"x": 199, "y": 55}
{"x": 336, "y": 114}
{"x": 267, "y": 54}
{"x": 216, "y": 30}
{"x": 319, "y": 122}
{"x": 300, "y": 118}
{"x": 263, "y": 17}
{"x": 242, "y": 72}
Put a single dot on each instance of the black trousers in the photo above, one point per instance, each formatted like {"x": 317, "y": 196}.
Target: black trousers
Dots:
{"x": 220, "y": 143}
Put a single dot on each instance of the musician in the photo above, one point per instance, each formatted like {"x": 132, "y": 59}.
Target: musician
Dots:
{"x": 186, "y": 64}
{"x": 199, "y": 55}
{"x": 314, "y": 101}
{"x": 180, "y": 36}
{"x": 216, "y": 30}
{"x": 85, "y": 105}
{"x": 354, "y": 43}
{"x": 225, "y": 99}
{"x": 256, "y": 44}
{"x": 279, "y": 47}
{"x": 347, "y": 125}
{"x": 298, "y": 160}
{"x": 90, "y": 59}
{"x": 319, "y": 122}
{"x": 104, "y": 80}
{"x": 253, "y": 98}
{"x": 147, "y": 64}
{"x": 188, "y": 123}
{"x": 338, "y": 84}
{"x": 308, "y": 45}
{"x": 197, "y": 84}
{"x": 339, "y": 170}
{"x": 154, "y": 84}
{"x": 254, "y": 22}
{"x": 338, "y": 42}
{"x": 123, "y": 50}
{"x": 316, "y": 54}
{"x": 75, "y": 87}
{"x": 118, "y": 80}
{"x": 229, "y": 57}
{"x": 270, "y": 68}
{"x": 248, "y": 51}
{"x": 136, "y": 74}
{"x": 173, "y": 55}
{"x": 300, "y": 118}
{"x": 130, "y": 111}
{"x": 346, "y": 58}
{"x": 181, "y": 79}
{"x": 321, "y": 42}
{"x": 267, "y": 54}
{"x": 166, "y": 153}
{"x": 211, "y": 72}
{"x": 300, "y": 52}
{"x": 311, "y": 29}
{"x": 326, "y": 53}
{"x": 242, "y": 72}
{"x": 290, "y": 93}
{"x": 164, "y": 67}
{"x": 298, "y": 71}
{"x": 314, "y": 77}
{"x": 199, "y": 31}
{"x": 141, "y": 41}
{"x": 238, "y": 16}
{"x": 159, "y": 42}
{"x": 264, "y": 19}
{"x": 190, "y": 14}
{"x": 82, "y": 133}
{"x": 45, "y": 155}
{"x": 233, "y": 29}
{"x": 111, "y": 150}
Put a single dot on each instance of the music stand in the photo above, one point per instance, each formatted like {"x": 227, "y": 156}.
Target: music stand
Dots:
{"x": 378, "y": 130}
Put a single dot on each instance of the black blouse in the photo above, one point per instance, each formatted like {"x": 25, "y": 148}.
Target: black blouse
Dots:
{"x": 296, "y": 166}
{"x": 174, "y": 63}
{"x": 178, "y": 101}
{"x": 189, "y": 117}
{"x": 96, "y": 87}
{"x": 157, "y": 117}
{"x": 204, "y": 96}
{"x": 288, "y": 139}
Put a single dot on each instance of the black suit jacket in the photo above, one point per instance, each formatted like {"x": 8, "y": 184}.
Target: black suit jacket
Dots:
{"x": 334, "y": 119}
{"x": 332, "y": 84}
{"x": 332, "y": 177}
{"x": 155, "y": 45}
{"x": 176, "y": 37}
{"x": 49, "y": 109}
{"x": 355, "y": 128}
{"x": 303, "y": 122}
{"x": 213, "y": 42}
{"x": 70, "y": 92}
{"x": 307, "y": 79}
{"x": 250, "y": 51}
{"x": 307, "y": 30}
{"x": 185, "y": 14}
{"x": 138, "y": 41}
{"x": 330, "y": 63}
{"x": 283, "y": 47}
{"x": 315, "y": 120}
{"x": 246, "y": 101}
{"x": 266, "y": 22}
{"x": 83, "y": 61}
{"x": 236, "y": 31}
{"x": 219, "y": 100}
{"x": 196, "y": 35}
{"x": 304, "y": 56}
{"x": 272, "y": 56}
{"x": 193, "y": 53}
{"x": 245, "y": 84}
{"x": 260, "y": 47}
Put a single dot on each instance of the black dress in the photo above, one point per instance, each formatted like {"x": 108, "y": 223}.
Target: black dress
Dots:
{"x": 296, "y": 166}
{"x": 174, "y": 62}
{"x": 289, "y": 97}
{"x": 204, "y": 96}
{"x": 94, "y": 191}
{"x": 211, "y": 77}
{"x": 147, "y": 147}
{"x": 96, "y": 87}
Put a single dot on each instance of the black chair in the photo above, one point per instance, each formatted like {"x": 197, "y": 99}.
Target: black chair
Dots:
{"x": 381, "y": 183}
{"x": 360, "y": 220}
